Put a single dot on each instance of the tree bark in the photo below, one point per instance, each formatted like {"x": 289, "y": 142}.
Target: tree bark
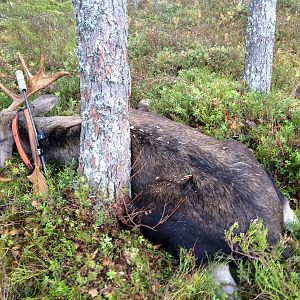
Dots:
{"x": 260, "y": 42}
{"x": 155, "y": 4}
{"x": 101, "y": 28}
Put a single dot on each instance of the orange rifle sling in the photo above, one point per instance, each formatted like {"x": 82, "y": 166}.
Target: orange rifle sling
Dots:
{"x": 15, "y": 131}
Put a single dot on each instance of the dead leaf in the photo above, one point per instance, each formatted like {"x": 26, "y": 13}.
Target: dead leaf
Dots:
{"x": 95, "y": 253}
{"x": 35, "y": 204}
{"x": 13, "y": 232}
{"x": 234, "y": 125}
{"x": 106, "y": 262}
{"x": 76, "y": 245}
{"x": 94, "y": 238}
{"x": 155, "y": 287}
{"x": 227, "y": 116}
{"x": 232, "y": 121}
{"x": 14, "y": 264}
{"x": 93, "y": 293}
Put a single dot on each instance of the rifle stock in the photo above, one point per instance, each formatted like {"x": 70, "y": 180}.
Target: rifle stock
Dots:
{"x": 36, "y": 177}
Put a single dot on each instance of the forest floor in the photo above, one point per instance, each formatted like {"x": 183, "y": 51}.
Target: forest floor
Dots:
{"x": 186, "y": 59}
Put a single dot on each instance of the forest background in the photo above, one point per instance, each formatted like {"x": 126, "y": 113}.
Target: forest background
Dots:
{"x": 186, "y": 59}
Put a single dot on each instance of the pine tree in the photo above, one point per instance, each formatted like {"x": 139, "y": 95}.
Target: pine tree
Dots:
{"x": 101, "y": 28}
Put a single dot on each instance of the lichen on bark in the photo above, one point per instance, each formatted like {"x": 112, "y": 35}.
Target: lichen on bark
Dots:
{"x": 102, "y": 30}
{"x": 260, "y": 42}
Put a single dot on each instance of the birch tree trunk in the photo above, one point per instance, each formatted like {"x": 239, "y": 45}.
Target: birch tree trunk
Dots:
{"x": 260, "y": 42}
{"x": 155, "y": 4}
{"x": 102, "y": 29}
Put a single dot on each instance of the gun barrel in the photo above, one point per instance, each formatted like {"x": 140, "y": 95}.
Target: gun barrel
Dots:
{"x": 30, "y": 115}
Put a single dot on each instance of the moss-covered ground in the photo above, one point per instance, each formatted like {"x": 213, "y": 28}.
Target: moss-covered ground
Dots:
{"x": 186, "y": 59}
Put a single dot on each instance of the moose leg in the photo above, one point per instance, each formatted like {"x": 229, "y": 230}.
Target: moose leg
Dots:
{"x": 222, "y": 277}
{"x": 289, "y": 216}
{"x": 290, "y": 219}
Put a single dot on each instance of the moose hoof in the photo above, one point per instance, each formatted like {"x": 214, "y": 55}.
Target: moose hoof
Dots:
{"x": 223, "y": 278}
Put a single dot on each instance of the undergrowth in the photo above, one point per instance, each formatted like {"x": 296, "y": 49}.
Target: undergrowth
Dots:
{"x": 186, "y": 58}
{"x": 66, "y": 247}
{"x": 265, "y": 275}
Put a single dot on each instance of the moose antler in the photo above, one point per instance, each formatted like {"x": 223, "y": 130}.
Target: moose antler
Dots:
{"x": 34, "y": 83}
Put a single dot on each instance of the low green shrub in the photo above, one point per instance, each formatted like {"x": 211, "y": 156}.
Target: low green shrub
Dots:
{"x": 223, "y": 108}
{"x": 287, "y": 3}
{"x": 5, "y": 101}
{"x": 66, "y": 247}
{"x": 192, "y": 282}
{"x": 34, "y": 28}
{"x": 264, "y": 273}
{"x": 68, "y": 93}
{"x": 217, "y": 59}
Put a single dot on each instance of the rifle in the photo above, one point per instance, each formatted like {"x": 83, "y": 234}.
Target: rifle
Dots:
{"x": 36, "y": 177}
{"x": 34, "y": 83}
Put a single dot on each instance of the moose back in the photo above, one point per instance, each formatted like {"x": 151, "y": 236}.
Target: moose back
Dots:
{"x": 189, "y": 188}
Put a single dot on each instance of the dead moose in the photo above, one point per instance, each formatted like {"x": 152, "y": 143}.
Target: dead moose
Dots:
{"x": 187, "y": 188}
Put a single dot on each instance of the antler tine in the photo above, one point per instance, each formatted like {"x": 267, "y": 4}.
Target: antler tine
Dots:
{"x": 25, "y": 68}
{"x": 40, "y": 80}
{"x": 34, "y": 83}
{"x": 9, "y": 93}
{"x": 17, "y": 99}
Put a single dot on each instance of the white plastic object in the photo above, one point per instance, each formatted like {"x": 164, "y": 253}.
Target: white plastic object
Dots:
{"x": 21, "y": 81}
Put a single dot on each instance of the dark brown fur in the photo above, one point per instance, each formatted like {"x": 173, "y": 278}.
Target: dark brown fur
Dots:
{"x": 188, "y": 187}
{"x": 226, "y": 185}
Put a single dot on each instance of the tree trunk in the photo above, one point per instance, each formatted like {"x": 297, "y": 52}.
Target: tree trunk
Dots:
{"x": 155, "y": 4}
{"x": 102, "y": 29}
{"x": 260, "y": 42}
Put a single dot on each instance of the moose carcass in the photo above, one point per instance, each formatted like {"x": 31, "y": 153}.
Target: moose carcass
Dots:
{"x": 188, "y": 188}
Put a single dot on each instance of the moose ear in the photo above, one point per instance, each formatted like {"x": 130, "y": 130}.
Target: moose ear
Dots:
{"x": 143, "y": 105}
